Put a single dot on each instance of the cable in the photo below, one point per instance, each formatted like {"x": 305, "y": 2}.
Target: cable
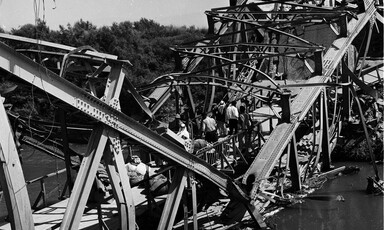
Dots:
{"x": 37, "y": 21}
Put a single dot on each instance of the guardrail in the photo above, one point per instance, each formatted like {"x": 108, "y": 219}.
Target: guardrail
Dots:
{"x": 43, "y": 194}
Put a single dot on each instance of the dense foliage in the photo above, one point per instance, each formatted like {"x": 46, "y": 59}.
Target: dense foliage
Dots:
{"x": 144, "y": 43}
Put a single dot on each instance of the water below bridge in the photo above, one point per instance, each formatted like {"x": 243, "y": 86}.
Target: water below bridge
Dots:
{"x": 326, "y": 211}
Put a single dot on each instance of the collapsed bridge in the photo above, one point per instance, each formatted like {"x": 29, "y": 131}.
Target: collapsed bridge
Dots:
{"x": 254, "y": 51}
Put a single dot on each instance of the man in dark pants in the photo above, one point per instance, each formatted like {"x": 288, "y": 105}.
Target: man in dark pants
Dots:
{"x": 232, "y": 118}
{"x": 209, "y": 128}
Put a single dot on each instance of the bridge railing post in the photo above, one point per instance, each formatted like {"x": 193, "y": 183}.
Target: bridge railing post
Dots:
{"x": 286, "y": 107}
{"x": 343, "y": 24}
{"x": 318, "y": 58}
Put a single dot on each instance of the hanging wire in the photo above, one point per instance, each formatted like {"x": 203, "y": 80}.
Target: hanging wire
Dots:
{"x": 37, "y": 6}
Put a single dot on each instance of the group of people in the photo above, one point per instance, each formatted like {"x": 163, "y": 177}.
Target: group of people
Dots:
{"x": 224, "y": 119}
{"x": 228, "y": 120}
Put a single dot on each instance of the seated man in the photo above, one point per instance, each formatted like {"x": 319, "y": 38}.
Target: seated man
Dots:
{"x": 183, "y": 133}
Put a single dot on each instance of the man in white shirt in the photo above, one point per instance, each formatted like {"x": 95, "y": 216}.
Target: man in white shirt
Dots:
{"x": 209, "y": 128}
{"x": 232, "y": 118}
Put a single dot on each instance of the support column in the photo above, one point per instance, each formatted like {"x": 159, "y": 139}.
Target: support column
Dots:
{"x": 85, "y": 179}
{"x": 67, "y": 157}
{"x": 109, "y": 164}
{"x": 346, "y": 93}
{"x": 325, "y": 146}
{"x": 177, "y": 98}
{"x": 343, "y": 24}
{"x": 194, "y": 199}
{"x": 127, "y": 203}
{"x": 174, "y": 196}
{"x": 318, "y": 59}
{"x": 12, "y": 178}
{"x": 286, "y": 107}
{"x": 294, "y": 165}
{"x": 115, "y": 165}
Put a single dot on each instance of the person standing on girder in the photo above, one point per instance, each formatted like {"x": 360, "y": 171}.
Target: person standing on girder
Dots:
{"x": 232, "y": 116}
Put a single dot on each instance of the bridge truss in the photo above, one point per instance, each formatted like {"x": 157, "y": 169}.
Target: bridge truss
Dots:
{"x": 277, "y": 55}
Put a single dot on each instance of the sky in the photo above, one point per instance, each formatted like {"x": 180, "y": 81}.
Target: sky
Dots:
{"x": 15, "y": 13}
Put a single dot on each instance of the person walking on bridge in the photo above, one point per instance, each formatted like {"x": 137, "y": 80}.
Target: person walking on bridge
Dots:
{"x": 220, "y": 118}
{"x": 232, "y": 117}
{"x": 209, "y": 128}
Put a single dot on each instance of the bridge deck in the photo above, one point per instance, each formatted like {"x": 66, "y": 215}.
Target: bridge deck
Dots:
{"x": 52, "y": 216}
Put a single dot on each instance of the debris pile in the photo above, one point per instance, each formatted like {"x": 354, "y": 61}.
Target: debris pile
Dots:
{"x": 354, "y": 144}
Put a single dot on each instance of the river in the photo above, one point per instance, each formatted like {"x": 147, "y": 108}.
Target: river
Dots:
{"x": 359, "y": 210}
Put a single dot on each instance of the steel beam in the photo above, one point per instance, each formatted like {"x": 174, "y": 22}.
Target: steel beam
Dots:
{"x": 360, "y": 83}
{"x": 113, "y": 175}
{"x": 176, "y": 190}
{"x": 12, "y": 178}
{"x": 118, "y": 177}
{"x": 55, "y": 45}
{"x": 294, "y": 165}
{"x": 127, "y": 206}
{"x": 325, "y": 145}
{"x": 85, "y": 179}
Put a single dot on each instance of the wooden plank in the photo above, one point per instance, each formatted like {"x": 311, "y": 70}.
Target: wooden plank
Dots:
{"x": 52, "y": 216}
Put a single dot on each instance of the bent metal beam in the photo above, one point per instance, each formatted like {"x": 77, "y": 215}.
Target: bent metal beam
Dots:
{"x": 37, "y": 75}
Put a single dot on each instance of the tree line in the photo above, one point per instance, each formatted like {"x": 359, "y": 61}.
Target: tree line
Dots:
{"x": 145, "y": 43}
